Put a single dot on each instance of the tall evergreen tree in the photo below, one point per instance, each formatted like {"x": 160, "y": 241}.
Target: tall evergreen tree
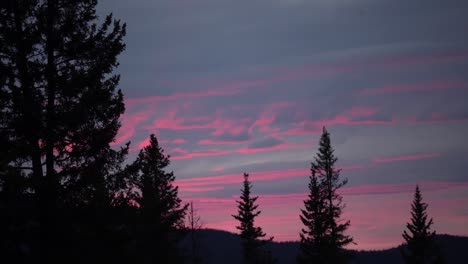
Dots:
{"x": 60, "y": 93}
{"x": 162, "y": 211}
{"x": 251, "y": 235}
{"x": 60, "y": 106}
{"x": 324, "y": 237}
{"x": 313, "y": 218}
{"x": 421, "y": 247}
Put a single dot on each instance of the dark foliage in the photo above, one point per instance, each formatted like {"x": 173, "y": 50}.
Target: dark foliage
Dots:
{"x": 251, "y": 235}
{"x": 323, "y": 238}
{"x": 60, "y": 111}
{"x": 421, "y": 247}
{"x": 162, "y": 211}
{"x": 194, "y": 225}
{"x": 66, "y": 195}
{"x": 219, "y": 246}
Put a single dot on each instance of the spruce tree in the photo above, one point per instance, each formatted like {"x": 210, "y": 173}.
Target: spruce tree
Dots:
{"x": 251, "y": 235}
{"x": 324, "y": 238}
{"x": 420, "y": 246}
{"x": 162, "y": 211}
{"x": 312, "y": 241}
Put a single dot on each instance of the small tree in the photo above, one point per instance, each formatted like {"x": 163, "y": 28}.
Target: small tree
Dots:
{"x": 194, "y": 225}
{"x": 162, "y": 211}
{"x": 421, "y": 247}
{"x": 323, "y": 239}
{"x": 250, "y": 234}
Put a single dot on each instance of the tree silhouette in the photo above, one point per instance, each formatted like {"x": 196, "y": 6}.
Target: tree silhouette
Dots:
{"x": 421, "y": 247}
{"x": 194, "y": 225}
{"x": 323, "y": 239}
{"x": 313, "y": 218}
{"x": 250, "y": 234}
{"x": 60, "y": 108}
{"x": 162, "y": 211}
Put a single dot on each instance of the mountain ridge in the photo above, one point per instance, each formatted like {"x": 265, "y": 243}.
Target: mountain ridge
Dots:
{"x": 219, "y": 246}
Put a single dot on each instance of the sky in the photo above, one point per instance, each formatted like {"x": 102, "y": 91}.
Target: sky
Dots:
{"x": 246, "y": 86}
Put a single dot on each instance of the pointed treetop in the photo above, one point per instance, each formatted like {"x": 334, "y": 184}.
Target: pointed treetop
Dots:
{"x": 419, "y": 237}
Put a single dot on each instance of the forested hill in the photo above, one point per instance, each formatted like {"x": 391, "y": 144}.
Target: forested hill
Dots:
{"x": 218, "y": 246}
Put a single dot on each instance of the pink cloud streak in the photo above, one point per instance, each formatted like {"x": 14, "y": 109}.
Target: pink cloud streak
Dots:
{"x": 247, "y": 150}
{"x": 372, "y": 225}
{"x": 220, "y": 142}
{"x": 406, "y": 157}
{"x": 424, "y": 86}
{"x": 255, "y": 176}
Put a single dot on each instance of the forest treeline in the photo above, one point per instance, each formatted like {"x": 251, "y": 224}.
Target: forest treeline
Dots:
{"x": 68, "y": 196}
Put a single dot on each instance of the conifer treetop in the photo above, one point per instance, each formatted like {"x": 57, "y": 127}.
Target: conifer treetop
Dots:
{"x": 419, "y": 226}
{"x": 421, "y": 246}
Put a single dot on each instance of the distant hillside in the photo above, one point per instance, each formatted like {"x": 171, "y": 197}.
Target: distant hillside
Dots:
{"x": 223, "y": 247}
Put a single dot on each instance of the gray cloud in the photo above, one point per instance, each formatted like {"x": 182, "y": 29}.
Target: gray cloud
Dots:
{"x": 265, "y": 143}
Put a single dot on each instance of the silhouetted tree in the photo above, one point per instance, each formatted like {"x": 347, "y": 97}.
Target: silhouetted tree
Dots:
{"x": 313, "y": 217}
{"x": 194, "y": 225}
{"x": 251, "y": 235}
{"x": 324, "y": 238}
{"x": 421, "y": 247}
{"x": 60, "y": 107}
{"x": 162, "y": 211}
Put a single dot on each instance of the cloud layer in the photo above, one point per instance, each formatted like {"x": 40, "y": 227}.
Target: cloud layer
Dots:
{"x": 231, "y": 87}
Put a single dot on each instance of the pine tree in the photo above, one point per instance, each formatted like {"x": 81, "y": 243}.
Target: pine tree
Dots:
{"x": 61, "y": 96}
{"x": 60, "y": 105}
{"x": 324, "y": 238}
{"x": 313, "y": 218}
{"x": 251, "y": 235}
{"x": 421, "y": 247}
{"x": 162, "y": 211}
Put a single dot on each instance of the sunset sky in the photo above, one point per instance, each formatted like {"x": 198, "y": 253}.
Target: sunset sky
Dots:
{"x": 233, "y": 86}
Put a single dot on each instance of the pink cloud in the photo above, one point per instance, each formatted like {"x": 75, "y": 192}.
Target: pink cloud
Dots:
{"x": 422, "y": 59}
{"x": 423, "y": 86}
{"x": 361, "y": 190}
{"x": 182, "y": 95}
{"x": 179, "y": 141}
{"x": 247, "y": 150}
{"x": 129, "y": 124}
{"x": 301, "y": 130}
{"x": 362, "y": 111}
{"x": 302, "y": 71}
{"x": 179, "y": 150}
{"x": 220, "y": 89}
{"x": 198, "y": 154}
{"x": 237, "y": 178}
{"x": 268, "y": 117}
{"x": 218, "y": 169}
{"x": 436, "y": 118}
{"x": 401, "y": 188}
{"x": 217, "y": 123}
{"x": 406, "y": 157}
{"x": 255, "y": 176}
{"x": 281, "y": 146}
{"x": 347, "y": 118}
{"x": 144, "y": 143}
{"x": 315, "y": 126}
{"x": 200, "y": 189}
{"x": 372, "y": 225}
{"x": 220, "y": 142}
